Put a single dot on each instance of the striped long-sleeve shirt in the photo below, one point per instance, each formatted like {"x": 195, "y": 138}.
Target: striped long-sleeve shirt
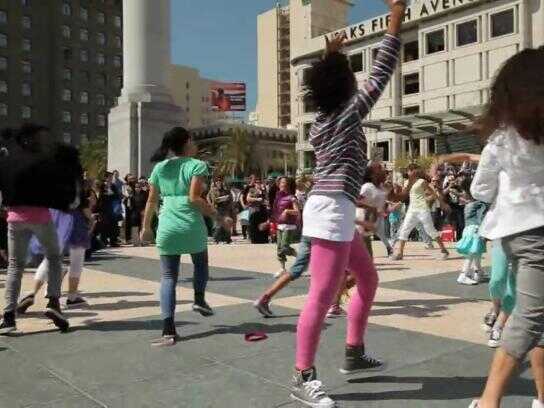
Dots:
{"x": 338, "y": 138}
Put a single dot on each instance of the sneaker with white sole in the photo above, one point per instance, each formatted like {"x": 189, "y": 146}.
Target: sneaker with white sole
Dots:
{"x": 263, "y": 307}
{"x": 78, "y": 301}
{"x": 336, "y": 311}
{"x": 476, "y": 276}
{"x": 473, "y": 404}
{"x": 8, "y": 323}
{"x": 357, "y": 361}
{"x": 537, "y": 404}
{"x": 309, "y": 391}
{"x": 203, "y": 308}
{"x": 444, "y": 256}
{"x": 495, "y": 337}
{"x": 463, "y": 279}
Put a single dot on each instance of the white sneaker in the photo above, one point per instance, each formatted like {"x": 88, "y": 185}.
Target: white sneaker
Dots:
{"x": 463, "y": 279}
{"x": 537, "y": 404}
{"x": 473, "y": 404}
{"x": 476, "y": 276}
{"x": 495, "y": 337}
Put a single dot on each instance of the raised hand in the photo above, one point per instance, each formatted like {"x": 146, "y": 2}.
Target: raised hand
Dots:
{"x": 334, "y": 45}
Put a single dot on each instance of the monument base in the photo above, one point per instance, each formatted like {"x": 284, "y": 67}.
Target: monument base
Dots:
{"x": 135, "y": 132}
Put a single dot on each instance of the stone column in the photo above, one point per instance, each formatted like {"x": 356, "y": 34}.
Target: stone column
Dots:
{"x": 145, "y": 108}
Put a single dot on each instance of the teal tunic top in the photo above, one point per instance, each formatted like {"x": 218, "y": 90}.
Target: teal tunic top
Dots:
{"x": 181, "y": 225}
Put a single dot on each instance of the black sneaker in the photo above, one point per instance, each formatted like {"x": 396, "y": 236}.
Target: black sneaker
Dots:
{"x": 8, "y": 323}
{"x": 357, "y": 361}
{"x": 74, "y": 303}
{"x": 54, "y": 313}
{"x": 309, "y": 391}
{"x": 203, "y": 308}
{"x": 489, "y": 321}
{"x": 25, "y": 303}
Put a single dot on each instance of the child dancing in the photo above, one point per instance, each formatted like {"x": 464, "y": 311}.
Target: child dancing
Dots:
{"x": 329, "y": 215}
{"x": 511, "y": 178}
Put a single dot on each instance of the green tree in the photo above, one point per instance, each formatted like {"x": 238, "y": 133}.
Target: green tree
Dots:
{"x": 94, "y": 156}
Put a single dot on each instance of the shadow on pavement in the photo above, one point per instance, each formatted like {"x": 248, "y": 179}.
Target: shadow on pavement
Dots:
{"x": 116, "y": 294}
{"x": 431, "y": 388}
{"x": 127, "y": 325}
{"x": 417, "y": 307}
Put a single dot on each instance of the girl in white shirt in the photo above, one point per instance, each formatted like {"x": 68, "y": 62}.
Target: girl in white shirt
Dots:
{"x": 511, "y": 178}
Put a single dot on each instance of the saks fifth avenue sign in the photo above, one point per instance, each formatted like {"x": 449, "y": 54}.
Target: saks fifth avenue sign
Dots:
{"x": 420, "y": 10}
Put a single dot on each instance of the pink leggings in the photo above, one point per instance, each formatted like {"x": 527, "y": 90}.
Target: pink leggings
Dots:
{"x": 328, "y": 263}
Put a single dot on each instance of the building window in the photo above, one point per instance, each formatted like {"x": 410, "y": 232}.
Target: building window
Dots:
{"x": 84, "y": 55}
{"x": 26, "y": 67}
{"x": 309, "y": 160}
{"x": 3, "y": 109}
{"x": 25, "y": 3}
{"x": 187, "y": 85}
{"x": 84, "y": 97}
{"x": 67, "y": 137}
{"x": 84, "y": 13}
{"x": 101, "y": 18}
{"x": 502, "y": 23}
{"x": 84, "y": 34}
{"x": 411, "y": 51}
{"x": 306, "y": 131}
{"x": 308, "y": 104}
{"x": 27, "y": 22}
{"x": 66, "y": 32}
{"x": 375, "y": 54}
{"x": 410, "y": 110}
{"x": 3, "y": 63}
{"x": 67, "y": 54}
{"x": 100, "y": 100}
{"x": 117, "y": 21}
{"x": 407, "y": 147}
{"x": 101, "y": 38}
{"x": 100, "y": 58}
{"x": 84, "y": 119}
{"x": 436, "y": 41}
{"x": 3, "y": 40}
{"x": 411, "y": 84}
{"x": 467, "y": 33}
{"x": 119, "y": 81}
{"x": 27, "y": 45}
{"x": 117, "y": 61}
{"x": 3, "y": 87}
{"x": 26, "y": 112}
{"x": 356, "y": 62}
{"x": 383, "y": 149}
{"x": 3, "y": 17}
{"x": 66, "y": 117}
{"x": 26, "y": 89}
{"x": 102, "y": 79}
{"x": 101, "y": 120}
{"x": 67, "y": 74}
{"x": 118, "y": 41}
{"x": 83, "y": 138}
{"x": 85, "y": 76}
{"x": 66, "y": 95}
{"x": 432, "y": 145}
{"x": 66, "y": 9}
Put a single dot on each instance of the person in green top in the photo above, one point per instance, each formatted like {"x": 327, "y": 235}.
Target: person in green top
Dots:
{"x": 179, "y": 180}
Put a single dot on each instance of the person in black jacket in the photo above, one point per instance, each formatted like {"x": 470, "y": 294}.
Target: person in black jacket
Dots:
{"x": 31, "y": 152}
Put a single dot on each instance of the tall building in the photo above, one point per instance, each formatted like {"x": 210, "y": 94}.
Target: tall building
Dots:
{"x": 282, "y": 32}
{"x": 191, "y": 93}
{"x": 450, "y": 54}
{"x": 61, "y": 64}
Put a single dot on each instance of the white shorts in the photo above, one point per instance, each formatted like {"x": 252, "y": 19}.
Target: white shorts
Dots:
{"x": 413, "y": 218}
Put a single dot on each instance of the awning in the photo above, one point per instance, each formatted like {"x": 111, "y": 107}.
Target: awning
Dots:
{"x": 265, "y": 134}
{"x": 453, "y": 121}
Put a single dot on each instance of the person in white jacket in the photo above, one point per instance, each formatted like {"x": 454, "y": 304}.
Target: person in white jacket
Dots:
{"x": 511, "y": 178}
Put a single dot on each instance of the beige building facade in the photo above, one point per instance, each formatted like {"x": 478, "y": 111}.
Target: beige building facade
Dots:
{"x": 191, "y": 92}
{"x": 450, "y": 54}
{"x": 281, "y": 33}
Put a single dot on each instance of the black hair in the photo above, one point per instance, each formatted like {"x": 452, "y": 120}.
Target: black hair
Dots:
{"x": 174, "y": 140}
{"x": 291, "y": 184}
{"x": 331, "y": 82}
{"x": 26, "y": 136}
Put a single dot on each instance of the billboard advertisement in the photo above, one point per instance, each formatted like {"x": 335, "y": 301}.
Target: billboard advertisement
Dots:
{"x": 228, "y": 96}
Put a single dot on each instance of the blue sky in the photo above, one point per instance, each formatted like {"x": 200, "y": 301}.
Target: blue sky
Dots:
{"x": 219, "y": 37}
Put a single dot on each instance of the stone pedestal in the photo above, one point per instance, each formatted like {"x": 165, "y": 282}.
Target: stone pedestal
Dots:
{"x": 135, "y": 132}
{"x": 146, "y": 109}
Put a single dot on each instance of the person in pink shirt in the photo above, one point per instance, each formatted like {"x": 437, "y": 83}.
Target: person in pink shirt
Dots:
{"x": 31, "y": 152}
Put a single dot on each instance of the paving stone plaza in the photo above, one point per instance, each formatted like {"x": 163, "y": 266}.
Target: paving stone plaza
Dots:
{"x": 423, "y": 324}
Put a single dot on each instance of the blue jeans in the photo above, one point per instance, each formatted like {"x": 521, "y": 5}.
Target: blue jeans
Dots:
{"x": 303, "y": 258}
{"x": 170, "y": 265}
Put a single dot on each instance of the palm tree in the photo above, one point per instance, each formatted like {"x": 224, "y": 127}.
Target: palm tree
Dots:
{"x": 94, "y": 155}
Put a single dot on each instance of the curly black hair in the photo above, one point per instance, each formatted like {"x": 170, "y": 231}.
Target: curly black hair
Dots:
{"x": 331, "y": 82}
